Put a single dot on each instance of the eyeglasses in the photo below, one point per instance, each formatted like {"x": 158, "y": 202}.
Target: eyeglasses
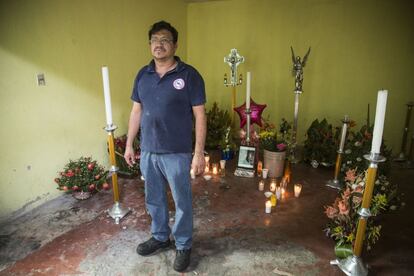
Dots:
{"x": 162, "y": 41}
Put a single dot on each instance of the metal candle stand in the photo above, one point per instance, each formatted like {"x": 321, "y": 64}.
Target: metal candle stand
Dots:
{"x": 117, "y": 212}
{"x": 292, "y": 152}
{"x": 336, "y": 183}
{"x": 401, "y": 156}
{"x": 248, "y": 115}
{"x": 353, "y": 265}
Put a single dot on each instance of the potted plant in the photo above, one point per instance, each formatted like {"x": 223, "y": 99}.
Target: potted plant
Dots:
{"x": 321, "y": 143}
{"x": 274, "y": 145}
{"x": 218, "y": 121}
{"x": 82, "y": 177}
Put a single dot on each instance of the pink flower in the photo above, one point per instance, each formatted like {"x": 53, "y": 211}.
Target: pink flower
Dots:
{"x": 331, "y": 212}
{"x": 281, "y": 146}
{"x": 346, "y": 194}
{"x": 343, "y": 208}
{"x": 350, "y": 175}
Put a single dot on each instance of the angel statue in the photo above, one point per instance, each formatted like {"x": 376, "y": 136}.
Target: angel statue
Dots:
{"x": 297, "y": 70}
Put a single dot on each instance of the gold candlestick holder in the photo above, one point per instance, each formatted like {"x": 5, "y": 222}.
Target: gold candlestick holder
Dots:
{"x": 117, "y": 212}
{"x": 336, "y": 183}
{"x": 353, "y": 265}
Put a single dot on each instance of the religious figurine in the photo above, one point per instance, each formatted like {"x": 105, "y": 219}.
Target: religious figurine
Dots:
{"x": 297, "y": 71}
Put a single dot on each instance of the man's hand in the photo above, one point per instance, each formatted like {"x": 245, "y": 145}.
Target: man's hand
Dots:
{"x": 198, "y": 164}
{"x": 129, "y": 156}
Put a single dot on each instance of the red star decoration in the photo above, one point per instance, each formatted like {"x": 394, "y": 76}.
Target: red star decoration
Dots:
{"x": 255, "y": 115}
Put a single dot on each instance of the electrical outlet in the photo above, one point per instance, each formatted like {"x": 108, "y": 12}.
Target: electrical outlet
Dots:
{"x": 41, "y": 79}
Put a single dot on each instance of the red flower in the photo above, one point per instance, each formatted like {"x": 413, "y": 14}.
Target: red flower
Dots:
{"x": 91, "y": 166}
{"x": 70, "y": 173}
{"x": 281, "y": 146}
{"x": 97, "y": 176}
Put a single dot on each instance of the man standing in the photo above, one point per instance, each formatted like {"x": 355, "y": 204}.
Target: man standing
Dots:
{"x": 167, "y": 93}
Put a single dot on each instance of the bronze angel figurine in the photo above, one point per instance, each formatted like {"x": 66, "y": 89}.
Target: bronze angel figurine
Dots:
{"x": 297, "y": 70}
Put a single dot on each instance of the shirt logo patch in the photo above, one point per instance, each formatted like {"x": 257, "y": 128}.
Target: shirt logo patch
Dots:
{"x": 179, "y": 84}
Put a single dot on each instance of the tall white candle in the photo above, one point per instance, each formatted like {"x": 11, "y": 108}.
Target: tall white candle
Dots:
{"x": 248, "y": 90}
{"x": 379, "y": 121}
{"x": 107, "y": 94}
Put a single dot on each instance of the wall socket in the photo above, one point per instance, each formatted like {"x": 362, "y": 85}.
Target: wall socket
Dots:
{"x": 41, "y": 81}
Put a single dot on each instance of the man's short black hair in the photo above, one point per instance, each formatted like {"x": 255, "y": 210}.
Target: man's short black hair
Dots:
{"x": 162, "y": 25}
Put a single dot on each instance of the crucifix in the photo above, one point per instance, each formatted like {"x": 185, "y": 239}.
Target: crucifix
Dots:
{"x": 233, "y": 60}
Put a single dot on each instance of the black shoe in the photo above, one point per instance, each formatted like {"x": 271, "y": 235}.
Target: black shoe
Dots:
{"x": 151, "y": 246}
{"x": 182, "y": 259}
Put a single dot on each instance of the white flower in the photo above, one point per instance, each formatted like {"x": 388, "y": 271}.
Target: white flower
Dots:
{"x": 349, "y": 162}
{"x": 359, "y": 159}
{"x": 348, "y": 151}
{"x": 357, "y": 144}
{"x": 362, "y": 183}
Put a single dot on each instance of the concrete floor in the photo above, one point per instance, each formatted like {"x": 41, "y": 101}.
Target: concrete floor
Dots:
{"x": 232, "y": 235}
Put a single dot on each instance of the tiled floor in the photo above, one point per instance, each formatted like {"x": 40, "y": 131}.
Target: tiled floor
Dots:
{"x": 233, "y": 235}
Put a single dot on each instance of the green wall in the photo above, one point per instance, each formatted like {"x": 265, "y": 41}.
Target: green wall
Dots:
{"x": 42, "y": 127}
{"x": 358, "y": 47}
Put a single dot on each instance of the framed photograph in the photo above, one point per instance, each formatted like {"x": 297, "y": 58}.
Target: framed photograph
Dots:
{"x": 246, "y": 157}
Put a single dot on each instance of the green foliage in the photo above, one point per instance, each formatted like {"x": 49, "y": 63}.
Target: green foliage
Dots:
{"x": 120, "y": 145}
{"x": 321, "y": 142}
{"x": 218, "y": 124}
{"x": 358, "y": 143}
{"x": 83, "y": 174}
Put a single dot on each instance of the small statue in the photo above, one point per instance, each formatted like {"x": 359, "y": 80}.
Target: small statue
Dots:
{"x": 297, "y": 70}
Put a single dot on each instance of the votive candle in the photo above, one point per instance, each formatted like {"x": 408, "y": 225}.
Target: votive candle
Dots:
{"x": 215, "y": 170}
{"x": 261, "y": 185}
{"x": 273, "y": 186}
{"x": 268, "y": 207}
{"x": 297, "y": 189}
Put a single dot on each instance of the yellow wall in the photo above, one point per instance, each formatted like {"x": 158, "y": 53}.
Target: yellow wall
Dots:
{"x": 358, "y": 47}
{"x": 42, "y": 127}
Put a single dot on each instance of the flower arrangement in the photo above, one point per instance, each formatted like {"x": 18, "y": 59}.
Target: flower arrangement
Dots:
{"x": 343, "y": 214}
{"x": 271, "y": 139}
{"x": 83, "y": 174}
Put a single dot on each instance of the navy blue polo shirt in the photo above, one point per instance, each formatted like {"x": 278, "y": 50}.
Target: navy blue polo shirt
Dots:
{"x": 167, "y": 115}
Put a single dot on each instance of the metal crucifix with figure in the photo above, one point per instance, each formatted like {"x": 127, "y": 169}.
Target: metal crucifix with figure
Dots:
{"x": 233, "y": 60}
